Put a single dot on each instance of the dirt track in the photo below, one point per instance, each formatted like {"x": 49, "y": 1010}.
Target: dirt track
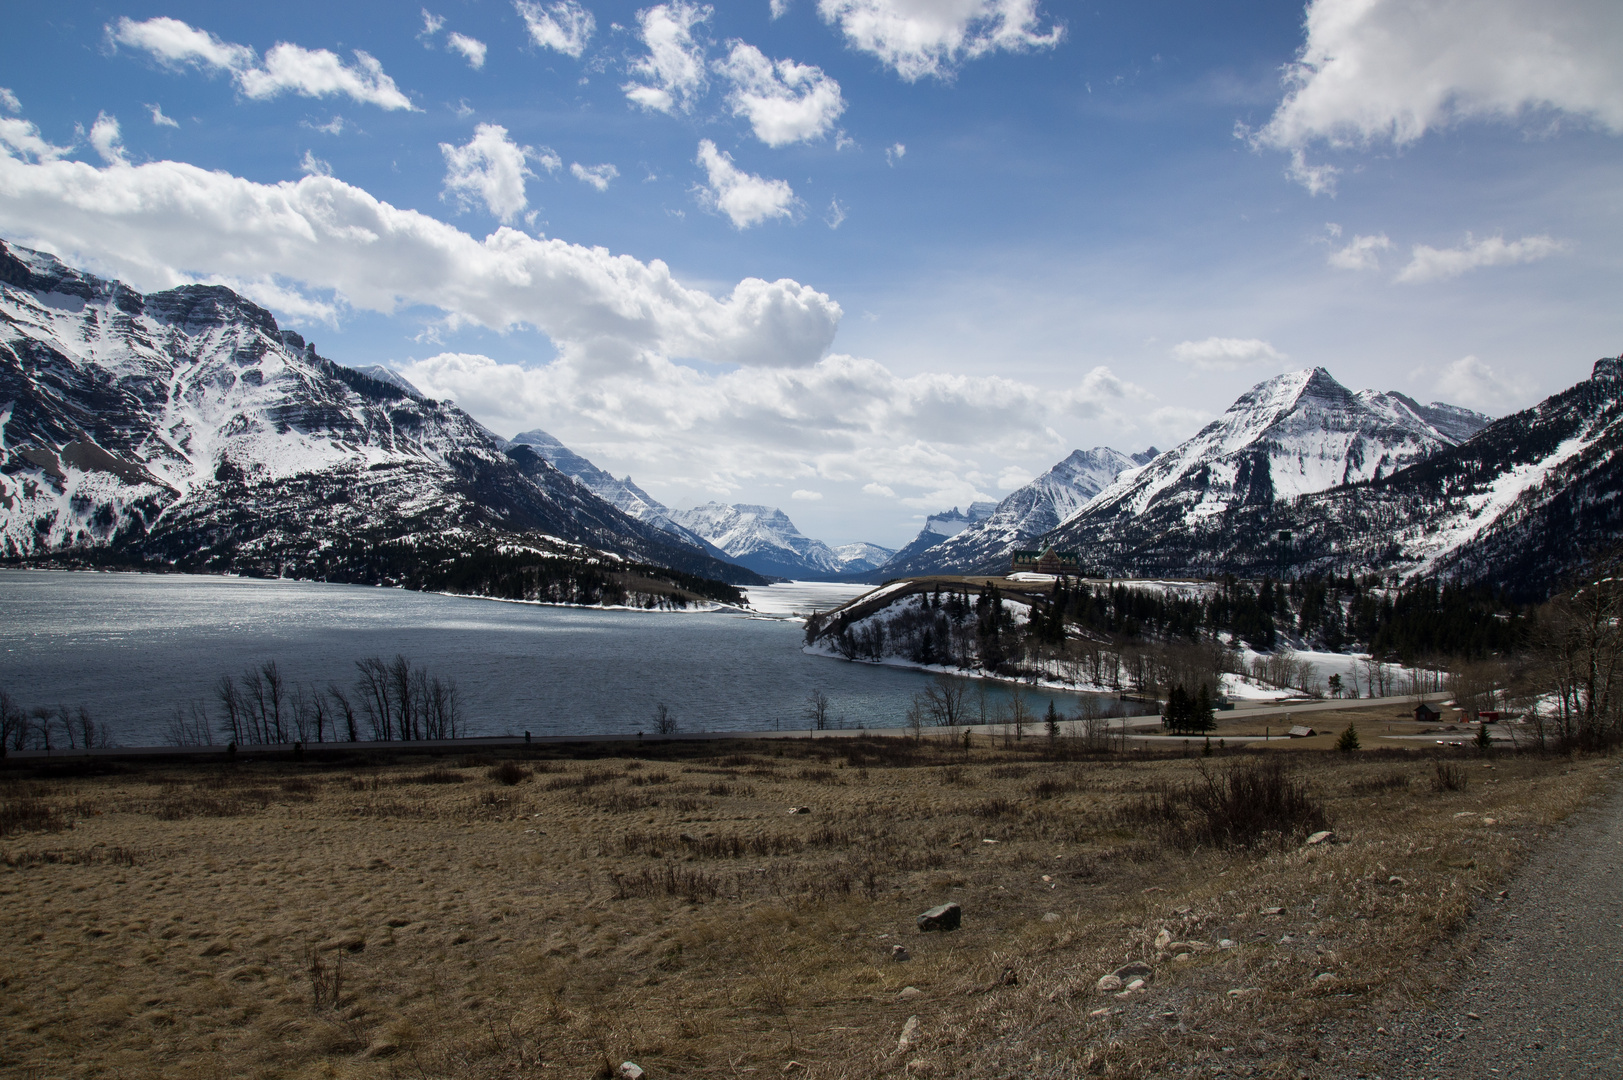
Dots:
{"x": 1542, "y": 996}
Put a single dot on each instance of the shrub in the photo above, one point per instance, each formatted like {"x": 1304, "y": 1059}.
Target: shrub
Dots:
{"x": 437, "y": 776}
{"x": 508, "y": 773}
{"x": 1348, "y": 741}
{"x": 1448, "y": 777}
{"x": 1242, "y": 806}
{"x": 1396, "y": 781}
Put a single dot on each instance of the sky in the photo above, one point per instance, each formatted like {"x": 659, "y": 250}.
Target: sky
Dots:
{"x": 861, "y": 259}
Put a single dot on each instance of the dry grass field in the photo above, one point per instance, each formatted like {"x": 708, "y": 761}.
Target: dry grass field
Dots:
{"x": 555, "y": 914}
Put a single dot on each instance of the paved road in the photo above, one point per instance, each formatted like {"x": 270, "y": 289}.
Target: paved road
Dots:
{"x": 1543, "y": 996}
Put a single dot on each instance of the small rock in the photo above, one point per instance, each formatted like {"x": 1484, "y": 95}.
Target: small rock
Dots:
{"x": 1490, "y": 821}
{"x": 941, "y": 918}
{"x": 1048, "y": 877}
{"x": 1504, "y": 894}
{"x": 1472, "y": 1016}
{"x": 1050, "y": 916}
{"x": 1138, "y": 969}
{"x": 908, "y": 993}
{"x": 1182, "y": 958}
{"x": 1136, "y": 984}
{"x": 1097, "y": 1014}
{"x": 1162, "y": 940}
{"x": 1125, "y": 994}
{"x": 1108, "y": 984}
{"x": 1322, "y": 837}
{"x": 630, "y": 1070}
{"x": 900, "y": 954}
{"x": 988, "y": 840}
{"x": 1226, "y": 943}
{"x": 910, "y": 1031}
{"x": 1272, "y": 911}
{"x": 800, "y": 809}
{"x": 1395, "y": 880}
{"x": 1324, "y": 977}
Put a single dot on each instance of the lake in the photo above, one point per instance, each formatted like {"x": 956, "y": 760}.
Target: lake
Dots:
{"x": 133, "y": 647}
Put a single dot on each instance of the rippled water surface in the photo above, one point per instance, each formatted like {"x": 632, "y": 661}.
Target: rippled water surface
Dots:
{"x": 131, "y": 647}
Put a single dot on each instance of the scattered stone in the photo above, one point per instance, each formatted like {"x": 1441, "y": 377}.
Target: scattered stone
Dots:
{"x": 988, "y": 840}
{"x": 909, "y": 993}
{"x": 1048, "y": 877}
{"x": 1050, "y": 916}
{"x": 1162, "y": 940}
{"x": 800, "y": 809}
{"x": 1226, "y": 943}
{"x": 1504, "y": 894}
{"x": 900, "y": 954}
{"x": 1138, "y": 969}
{"x": 1324, "y": 977}
{"x": 1136, "y": 984}
{"x": 1182, "y": 958}
{"x": 630, "y": 1070}
{"x": 1125, "y": 994}
{"x": 1472, "y": 1016}
{"x": 1490, "y": 821}
{"x": 943, "y": 917}
{"x": 1395, "y": 880}
{"x": 1108, "y": 984}
{"x": 910, "y": 1032}
{"x": 1098, "y": 1014}
{"x": 1324, "y": 837}
{"x": 1272, "y": 911}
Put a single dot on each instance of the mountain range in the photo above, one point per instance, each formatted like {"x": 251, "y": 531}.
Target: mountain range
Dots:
{"x": 184, "y": 428}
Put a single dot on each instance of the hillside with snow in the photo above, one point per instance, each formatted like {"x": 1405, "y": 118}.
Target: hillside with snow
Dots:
{"x": 185, "y": 427}
{"x": 1024, "y": 515}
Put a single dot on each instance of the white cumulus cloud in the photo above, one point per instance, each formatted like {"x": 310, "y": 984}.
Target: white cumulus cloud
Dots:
{"x": 1440, "y": 264}
{"x": 286, "y": 67}
{"x": 492, "y": 169}
{"x": 20, "y": 136}
{"x": 931, "y": 37}
{"x": 672, "y": 74}
{"x": 166, "y": 223}
{"x": 472, "y": 49}
{"x": 160, "y": 120}
{"x": 565, "y": 27}
{"x": 596, "y": 175}
{"x": 785, "y": 102}
{"x": 1392, "y": 70}
{"x": 1226, "y": 354}
{"x": 1363, "y": 253}
{"x": 1471, "y": 382}
{"x": 744, "y": 197}
{"x": 108, "y": 140}
{"x": 928, "y": 439}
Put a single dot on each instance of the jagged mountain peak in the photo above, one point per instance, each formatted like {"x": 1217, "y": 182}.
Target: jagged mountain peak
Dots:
{"x": 764, "y": 539}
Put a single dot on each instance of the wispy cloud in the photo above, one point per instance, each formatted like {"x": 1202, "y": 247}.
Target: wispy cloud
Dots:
{"x": 1441, "y": 264}
{"x": 1226, "y": 354}
{"x": 596, "y": 175}
{"x": 565, "y": 27}
{"x": 286, "y": 67}
{"x": 472, "y": 49}
{"x": 671, "y": 77}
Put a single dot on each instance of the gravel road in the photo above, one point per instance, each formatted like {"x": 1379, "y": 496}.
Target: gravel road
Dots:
{"x": 1543, "y": 993}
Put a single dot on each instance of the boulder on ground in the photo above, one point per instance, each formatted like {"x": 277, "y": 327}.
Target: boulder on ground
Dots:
{"x": 900, "y": 954}
{"x": 910, "y": 1032}
{"x": 1108, "y": 984}
{"x": 942, "y": 917}
{"x": 1138, "y": 969}
{"x": 630, "y": 1070}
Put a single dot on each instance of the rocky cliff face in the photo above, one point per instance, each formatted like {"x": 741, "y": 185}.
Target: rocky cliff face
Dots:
{"x": 185, "y": 427}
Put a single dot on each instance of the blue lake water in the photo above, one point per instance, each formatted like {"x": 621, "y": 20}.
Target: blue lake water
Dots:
{"x": 131, "y": 647}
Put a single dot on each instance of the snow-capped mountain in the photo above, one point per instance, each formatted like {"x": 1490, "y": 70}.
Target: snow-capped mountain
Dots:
{"x": 860, "y": 558}
{"x": 1296, "y": 434}
{"x": 186, "y": 427}
{"x": 622, "y": 494}
{"x": 763, "y": 539}
{"x": 937, "y": 527}
{"x": 1518, "y": 505}
{"x": 1022, "y": 516}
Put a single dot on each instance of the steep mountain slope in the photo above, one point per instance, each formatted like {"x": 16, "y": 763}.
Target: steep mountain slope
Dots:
{"x": 185, "y": 427}
{"x": 1517, "y": 505}
{"x": 862, "y": 557}
{"x": 1294, "y": 435}
{"x": 937, "y": 528}
{"x": 763, "y": 539}
{"x": 623, "y": 495}
{"x": 1022, "y": 516}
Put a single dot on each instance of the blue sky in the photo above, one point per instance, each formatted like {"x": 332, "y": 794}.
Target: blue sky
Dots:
{"x": 861, "y": 259}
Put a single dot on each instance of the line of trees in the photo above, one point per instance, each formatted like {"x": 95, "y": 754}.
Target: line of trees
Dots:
{"x": 390, "y": 700}
{"x": 48, "y": 727}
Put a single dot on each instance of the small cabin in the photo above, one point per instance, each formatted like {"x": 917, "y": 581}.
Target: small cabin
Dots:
{"x": 1301, "y": 731}
{"x": 1046, "y": 561}
{"x": 1425, "y": 714}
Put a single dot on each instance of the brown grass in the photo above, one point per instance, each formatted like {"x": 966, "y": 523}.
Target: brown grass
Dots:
{"x": 303, "y": 920}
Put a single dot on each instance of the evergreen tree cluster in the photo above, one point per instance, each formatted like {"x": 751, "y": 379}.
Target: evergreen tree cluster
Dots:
{"x": 1186, "y": 712}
